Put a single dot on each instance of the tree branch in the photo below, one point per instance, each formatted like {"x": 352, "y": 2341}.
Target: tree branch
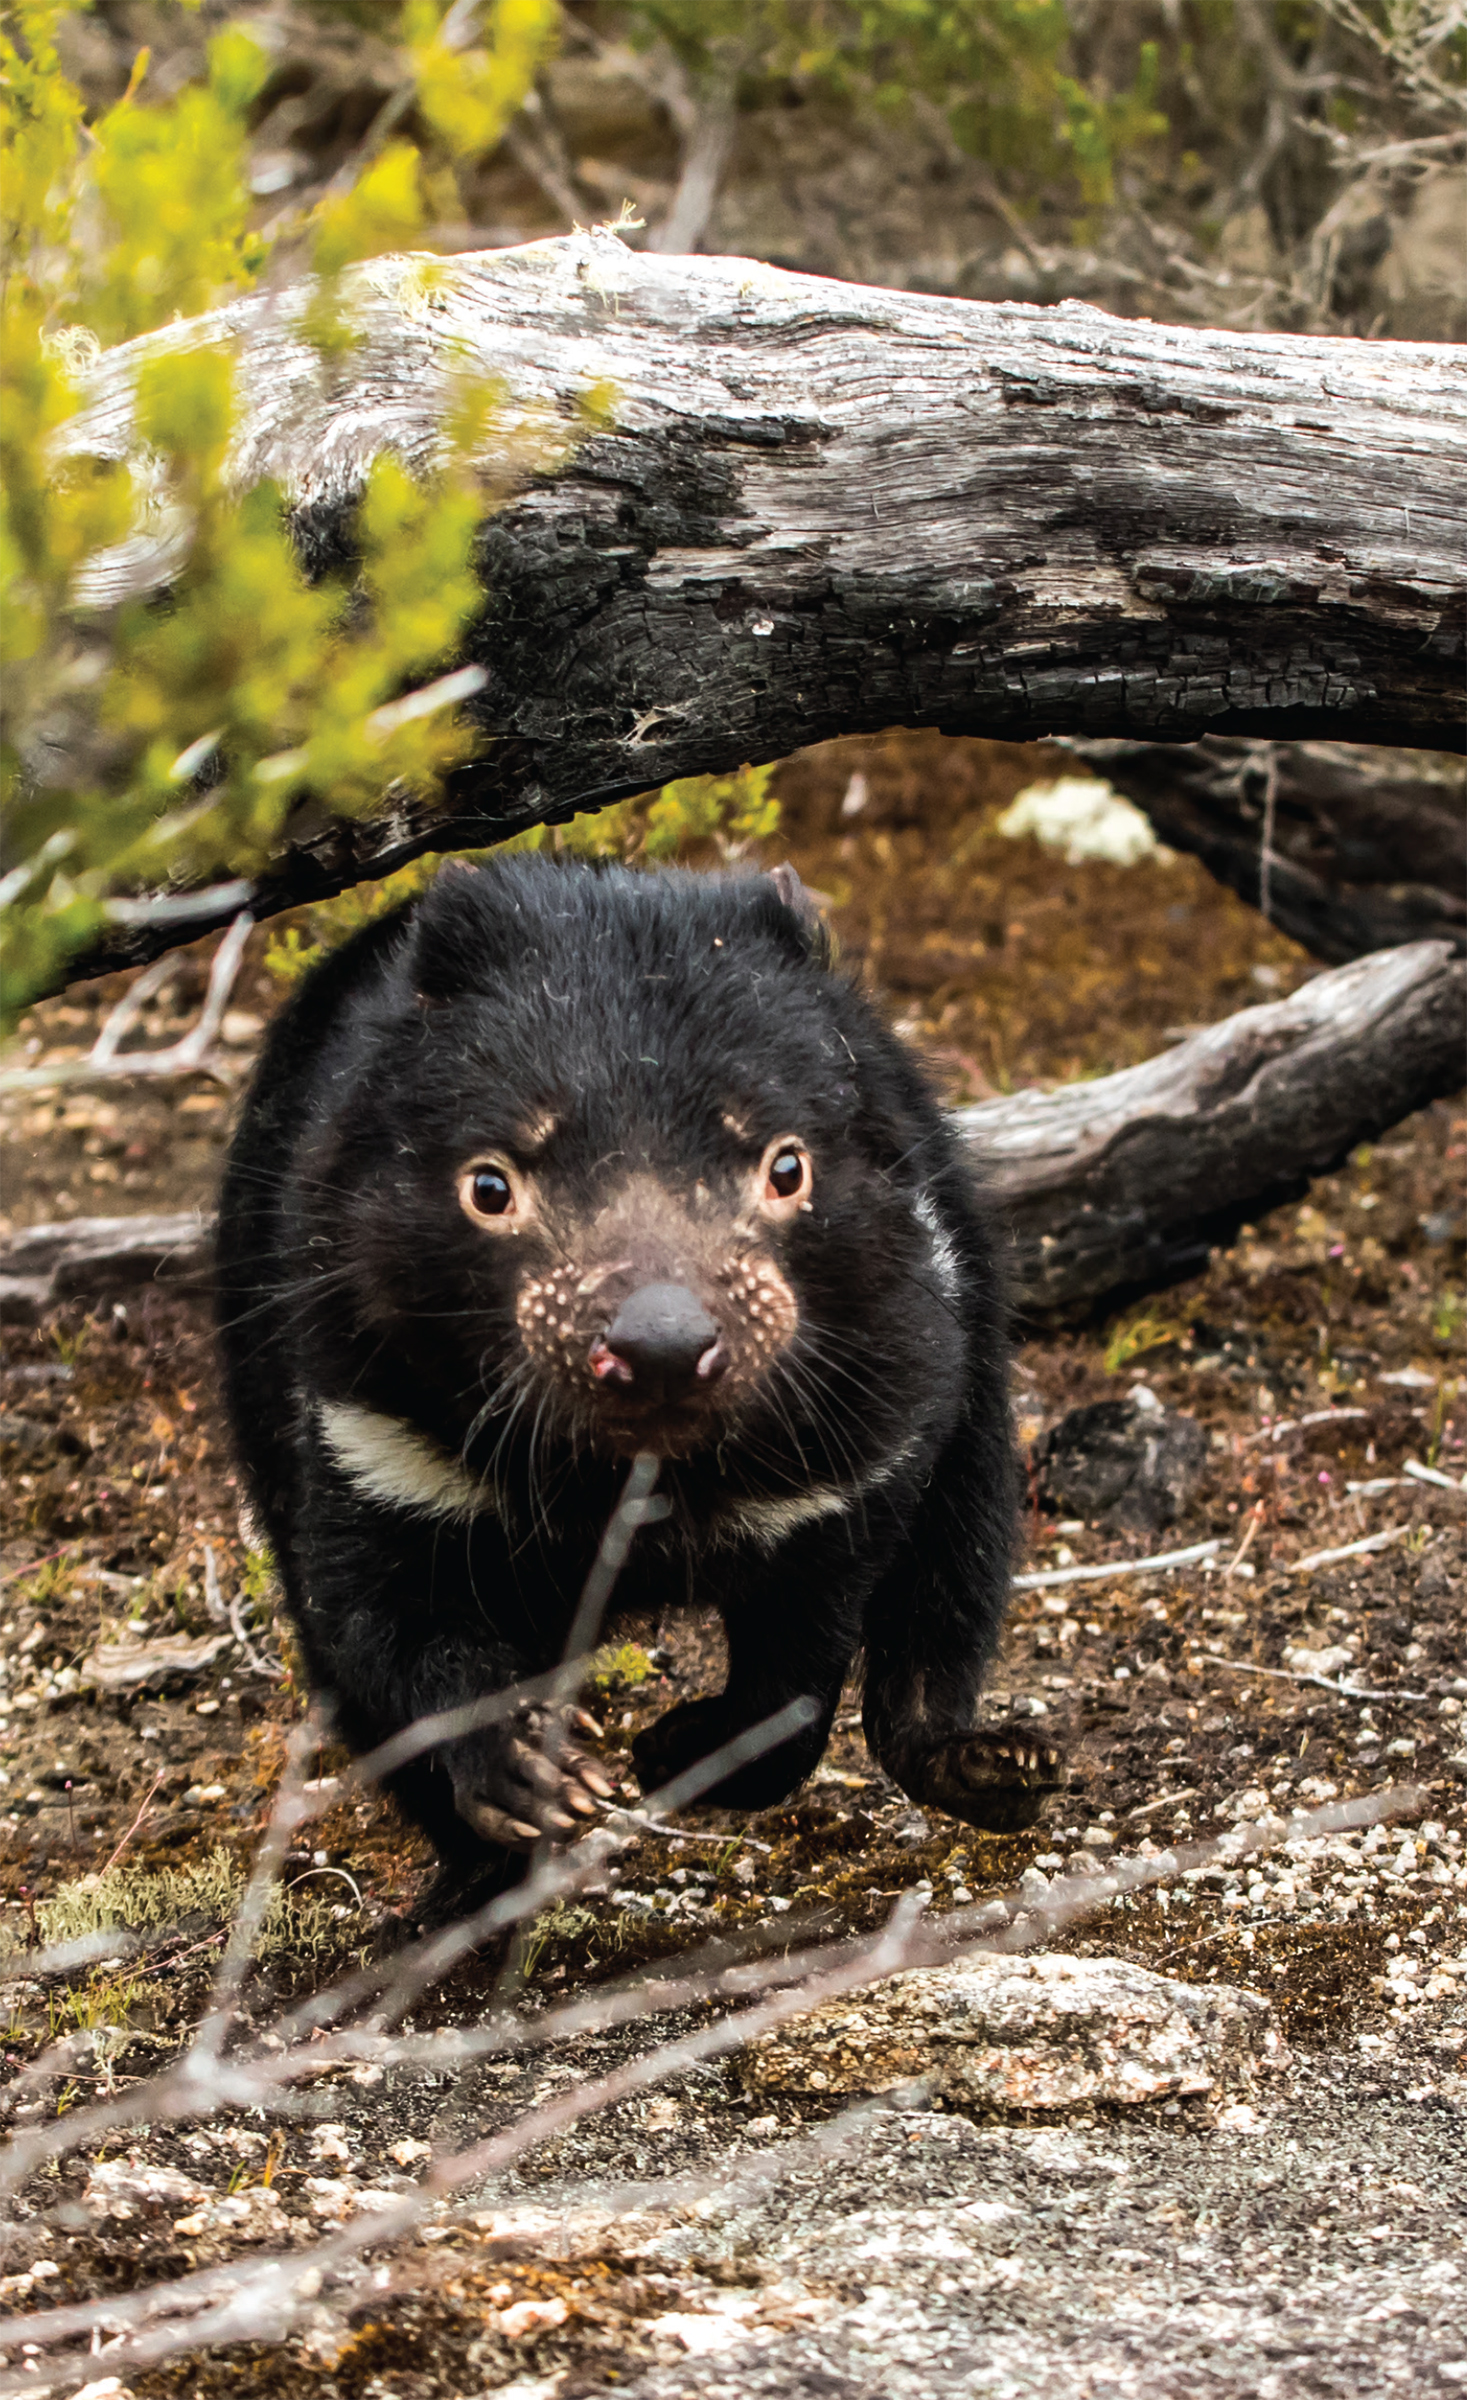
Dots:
{"x": 1129, "y": 1181}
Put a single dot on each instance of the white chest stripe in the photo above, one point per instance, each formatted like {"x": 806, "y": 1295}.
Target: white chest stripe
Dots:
{"x": 393, "y": 1461}
{"x": 770, "y": 1522}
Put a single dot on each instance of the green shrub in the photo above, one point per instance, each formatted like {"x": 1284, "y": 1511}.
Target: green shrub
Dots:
{"x": 153, "y": 740}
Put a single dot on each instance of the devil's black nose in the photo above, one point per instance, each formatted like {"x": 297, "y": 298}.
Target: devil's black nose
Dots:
{"x": 664, "y": 1334}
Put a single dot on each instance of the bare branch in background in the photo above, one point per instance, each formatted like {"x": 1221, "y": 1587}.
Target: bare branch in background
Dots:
{"x": 194, "y": 1054}
{"x": 705, "y": 155}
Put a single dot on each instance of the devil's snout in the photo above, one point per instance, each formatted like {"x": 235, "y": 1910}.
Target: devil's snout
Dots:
{"x": 661, "y": 1345}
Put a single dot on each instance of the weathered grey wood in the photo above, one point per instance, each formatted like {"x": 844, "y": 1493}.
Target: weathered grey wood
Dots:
{"x": 1124, "y": 1181}
{"x": 1129, "y": 1180}
{"x": 1368, "y": 847}
{"x": 91, "y": 1258}
{"x": 827, "y": 509}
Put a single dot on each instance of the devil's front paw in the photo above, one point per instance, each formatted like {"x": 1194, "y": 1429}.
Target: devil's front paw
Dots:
{"x": 516, "y": 1782}
{"x": 997, "y": 1778}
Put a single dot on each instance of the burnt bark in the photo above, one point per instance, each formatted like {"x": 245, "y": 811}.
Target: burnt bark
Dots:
{"x": 823, "y": 509}
{"x": 1123, "y": 1183}
{"x": 1348, "y": 848}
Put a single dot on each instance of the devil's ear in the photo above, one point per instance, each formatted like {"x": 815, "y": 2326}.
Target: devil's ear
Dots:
{"x": 462, "y": 934}
{"x": 801, "y": 904}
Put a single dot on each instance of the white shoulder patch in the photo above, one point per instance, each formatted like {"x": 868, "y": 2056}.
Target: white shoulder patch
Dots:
{"x": 770, "y": 1522}
{"x": 944, "y": 1256}
{"x": 393, "y": 1461}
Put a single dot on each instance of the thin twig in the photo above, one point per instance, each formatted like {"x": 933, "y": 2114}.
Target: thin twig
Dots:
{"x": 1330, "y": 1558}
{"x": 1323, "y": 1683}
{"x": 148, "y": 1797}
{"x": 1122, "y": 1566}
{"x": 262, "y": 2299}
{"x": 1316, "y": 1416}
{"x": 1420, "y": 1474}
{"x": 233, "y": 1613}
{"x": 1149, "y": 1808}
{"x": 1255, "y": 1519}
{"x": 1266, "y": 851}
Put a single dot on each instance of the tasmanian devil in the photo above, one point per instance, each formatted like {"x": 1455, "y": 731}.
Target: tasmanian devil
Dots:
{"x": 559, "y": 1165}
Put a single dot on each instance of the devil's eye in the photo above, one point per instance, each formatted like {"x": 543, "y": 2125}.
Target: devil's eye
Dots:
{"x": 786, "y": 1173}
{"x": 489, "y": 1192}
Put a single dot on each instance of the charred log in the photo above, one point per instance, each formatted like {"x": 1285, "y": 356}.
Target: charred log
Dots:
{"x": 827, "y": 509}
{"x": 1348, "y": 848}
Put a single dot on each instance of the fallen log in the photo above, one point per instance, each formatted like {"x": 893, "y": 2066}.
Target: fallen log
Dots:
{"x": 98, "y": 1258}
{"x": 1124, "y": 1182}
{"x": 824, "y": 508}
{"x": 1128, "y": 1182}
{"x": 1346, "y": 847}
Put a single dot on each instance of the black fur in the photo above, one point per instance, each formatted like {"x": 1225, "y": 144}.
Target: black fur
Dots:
{"x": 664, "y": 1029}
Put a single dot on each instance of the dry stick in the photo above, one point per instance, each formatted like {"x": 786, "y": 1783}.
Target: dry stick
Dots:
{"x": 122, "y": 1018}
{"x": 635, "y": 1508}
{"x": 231, "y": 1614}
{"x": 1124, "y": 1566}
{"x": 254, "y": 2084}
{"x": 1433, "y": 1475}
{"x": 1316, "y": 1416}
{"x": 285, "y": 1820}
{"x": 1347, "y": 1691}
{"x": 427, "y": 1962}
{"x": 148, "y": 1798}
{"x": 1265, "y": 848}
{"x": 1330, "y": 1558}
{"x": 205, "y": 2079}
{"x": 1149, "y": 1808}
{"x": 1255, "y": 1519}
{"x": 262, "y": 2301}
{"x": 189, "y": 1056}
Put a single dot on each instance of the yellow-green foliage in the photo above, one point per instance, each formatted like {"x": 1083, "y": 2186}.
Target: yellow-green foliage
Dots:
{"x": 1145, "y": 1328}
{"x": 560, "y": 1926}
{"x": 107, "y": 1998}
{"x": 724, "y": 814}
{"x": 296, "y": 1922}
{"x": 186, "y": 733}
{"x": 620, "y": 1667}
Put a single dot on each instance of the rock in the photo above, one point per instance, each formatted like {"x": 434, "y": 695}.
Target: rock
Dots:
{"x": 1334, "y": 1658}
{"x": 253, "y": 2215}
{"x": 1434, "y": 1583}
{"x": 122, "y": 2187}
{"x": 1128, "y": 1463}
{"x": 173, "y": 1658}
{"x": 24, "y": 1299}
{"x": 1025, "y": 2033}
{"x": 531, "y": 2316}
